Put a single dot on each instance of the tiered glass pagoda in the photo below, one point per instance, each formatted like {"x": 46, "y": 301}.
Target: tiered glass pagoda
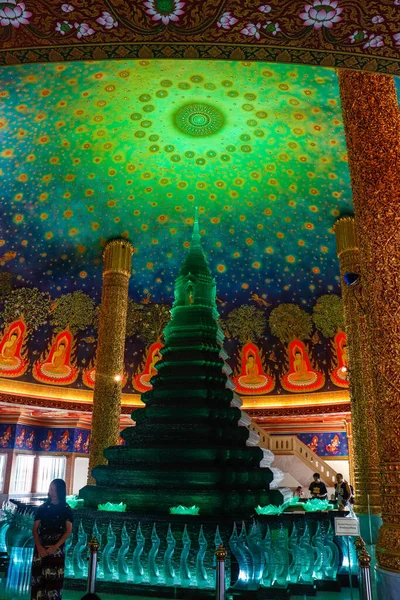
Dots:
{"x": 187, "y": 447}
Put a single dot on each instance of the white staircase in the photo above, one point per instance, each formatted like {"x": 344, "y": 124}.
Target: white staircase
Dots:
{"x": 290, "y": 445}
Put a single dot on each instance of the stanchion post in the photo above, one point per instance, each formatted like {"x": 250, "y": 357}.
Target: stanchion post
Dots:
{"x": 93, "y": 547}
{"x": 364, "y": 561}
{"x": 220, "y": 555}
{"x": 359, "y": 544}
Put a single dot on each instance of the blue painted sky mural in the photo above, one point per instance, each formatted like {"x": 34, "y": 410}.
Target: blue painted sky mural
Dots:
{"x": 94, "y": 150}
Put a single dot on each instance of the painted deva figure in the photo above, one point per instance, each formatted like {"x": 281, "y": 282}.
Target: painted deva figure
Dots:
{"x": 52, "y": 527}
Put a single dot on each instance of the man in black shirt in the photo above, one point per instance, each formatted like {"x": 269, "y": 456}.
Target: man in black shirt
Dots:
{"x": 318, "y": 488}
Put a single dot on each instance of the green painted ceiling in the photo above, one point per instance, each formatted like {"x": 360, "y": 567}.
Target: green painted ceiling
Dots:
{"x": 91, "y": 150}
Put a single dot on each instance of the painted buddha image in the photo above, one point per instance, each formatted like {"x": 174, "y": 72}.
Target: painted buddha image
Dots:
{"x": 141, "y": 381}
{"x": 301, "y": 375}
{"x": 155, "y": 358}
{"x": 58, "y": 365}
{"x": 252, "y": 378}
{"x": 10, "y": 348}
{"x": 340, "y": 374}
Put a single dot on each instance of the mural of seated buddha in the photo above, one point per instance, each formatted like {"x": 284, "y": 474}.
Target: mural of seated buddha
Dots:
{"x": 301, "y": 375}
{"x": 58, "y": 367}
{"x": 8, "y": 354}
{"x": 12, "y": 362}
{"x": 252, "y": 378}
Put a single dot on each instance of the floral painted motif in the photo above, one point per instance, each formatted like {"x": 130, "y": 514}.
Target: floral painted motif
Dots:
{"x": 63, "y": 27}
{"x": 83, "y": 30}
{"x": 272, "y": 28}
{"x": 374, "y": 41}
{"x": 396, "y": 38}
{"x": 164, "y": 10}
{"x": 321, "y": 13}
{"x": 107, "y": 20}
{"x": 14, "y": 14}
{"x": 252, "y": 30}
{"x": 126, "y": 28}
{"x": 227, "y": 20}
{"x": 358, "y": 36}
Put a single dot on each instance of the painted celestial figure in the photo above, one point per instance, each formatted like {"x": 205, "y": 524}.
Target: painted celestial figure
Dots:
{"x": 340, "y": 375}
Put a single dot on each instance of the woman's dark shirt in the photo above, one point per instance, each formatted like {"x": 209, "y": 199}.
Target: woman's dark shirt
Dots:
{"x": 53, "y": 518}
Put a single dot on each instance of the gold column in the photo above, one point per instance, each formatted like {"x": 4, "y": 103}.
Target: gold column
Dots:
{"x": 117, "y": 259}
{"x": 372, "y": 124}
{"x": 364, "y": 442}
{"x": 349, "y": 433}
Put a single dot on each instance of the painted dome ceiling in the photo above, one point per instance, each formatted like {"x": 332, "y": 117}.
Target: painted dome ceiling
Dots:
{"x": 94, "y": 150}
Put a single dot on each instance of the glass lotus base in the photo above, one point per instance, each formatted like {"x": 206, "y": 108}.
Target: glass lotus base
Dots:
{"x": 173, "y": 555}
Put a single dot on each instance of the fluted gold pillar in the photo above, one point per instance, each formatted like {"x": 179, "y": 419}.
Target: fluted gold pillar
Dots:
{"x": 372, "y": 125}
{"x": 364, "y": 439}
{"x": 117, "y": 259}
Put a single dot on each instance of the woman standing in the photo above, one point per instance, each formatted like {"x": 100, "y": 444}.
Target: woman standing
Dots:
{"x": 52, "y": 526}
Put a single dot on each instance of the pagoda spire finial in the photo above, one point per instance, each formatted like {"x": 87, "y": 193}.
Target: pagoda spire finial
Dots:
{"x": 196, "y": 239}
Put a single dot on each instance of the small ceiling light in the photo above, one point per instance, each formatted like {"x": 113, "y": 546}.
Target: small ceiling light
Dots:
{"x": 117, "y": 378}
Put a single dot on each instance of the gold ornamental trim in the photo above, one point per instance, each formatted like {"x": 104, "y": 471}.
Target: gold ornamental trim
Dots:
{"x": 296, "y": 400}
{"x": 346, "y": 238}
{"x": 85, "y": 396}
{"x": 49, "y": 392}
{"x": 117, "y": 257}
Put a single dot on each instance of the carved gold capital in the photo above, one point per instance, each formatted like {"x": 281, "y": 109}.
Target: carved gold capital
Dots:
{"x": 346, "y": 238}
{"x": 117, "y": 257}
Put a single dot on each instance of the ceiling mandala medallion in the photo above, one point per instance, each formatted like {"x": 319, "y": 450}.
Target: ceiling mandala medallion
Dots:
{"x": 199, "y": 120}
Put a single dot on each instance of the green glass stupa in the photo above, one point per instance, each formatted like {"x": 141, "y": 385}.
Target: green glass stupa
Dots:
{"x": 187, "y": 447}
